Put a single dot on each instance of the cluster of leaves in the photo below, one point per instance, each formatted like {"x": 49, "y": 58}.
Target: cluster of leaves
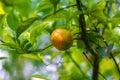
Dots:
{"x": 25, "y": 23}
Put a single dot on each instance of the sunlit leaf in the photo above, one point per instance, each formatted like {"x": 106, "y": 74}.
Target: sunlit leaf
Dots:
{"x": 53, "y": 55}
{"x": 13, "y": 46}
{"x": 31, "y": 56}
{"x": 116, "y": 20}
{"x": 107, "y": 67}
{"x": 1, "y": 10}
{"x": 39, "y": 77}
{"x": 76, "y": 54}
{"x": 114, "y": 8}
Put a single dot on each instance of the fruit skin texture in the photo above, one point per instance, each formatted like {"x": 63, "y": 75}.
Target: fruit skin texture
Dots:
{"x": 61, "y": 39}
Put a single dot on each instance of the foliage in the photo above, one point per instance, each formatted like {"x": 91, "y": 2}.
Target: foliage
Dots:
{"x": 26, "y": 26}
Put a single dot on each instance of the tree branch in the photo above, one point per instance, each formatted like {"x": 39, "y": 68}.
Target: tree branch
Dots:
{"x": 92, "y": 65}
{"x": 82, "y": 26}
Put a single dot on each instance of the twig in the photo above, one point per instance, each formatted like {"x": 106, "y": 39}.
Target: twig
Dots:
{"x": 77, "y": 65}
{"x": 117, "y": 66}
{"x": 59, "y": 10}
{"x": 92, "y": 65}
{"x": 38, "y": 50}
{"x": 65, "y": 8}
{"x": 115, "y": 62}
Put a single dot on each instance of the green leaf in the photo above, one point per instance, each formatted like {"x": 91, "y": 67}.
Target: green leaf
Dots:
{"x": 12, "y": 46}
{"x": 44, "y": 5}
{"x": 40, "y": 77}
{"x": 12, "y": 21}
{"x": 37, "y": 31}
{"x": 114, "y": 8}
{"x": 31, "y": 56}
{"x": 76, "y": 54}
{"x": 55, "y": 2}
{"x": 27, "y": 45}
{"x": 1, "y": 19}
{"x": 104, "y": 51}
{"x": 110, "y": 46}
{"x": 3, "y": 58}
{"x": 97, "y": 14}
{"x": 80, "y": 44}
{"x": 23, "y": 7}
{"x": 25, "y": 25}
{"x": 115, "y": 20}
{"x": 7, "y": 67}
{"x": 53, "y": 55}
{"x": 109, "y": 67}
{"x": 9, "y": 44}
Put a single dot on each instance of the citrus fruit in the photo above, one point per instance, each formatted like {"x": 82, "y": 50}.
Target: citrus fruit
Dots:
{"x": 61, "y": 39}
